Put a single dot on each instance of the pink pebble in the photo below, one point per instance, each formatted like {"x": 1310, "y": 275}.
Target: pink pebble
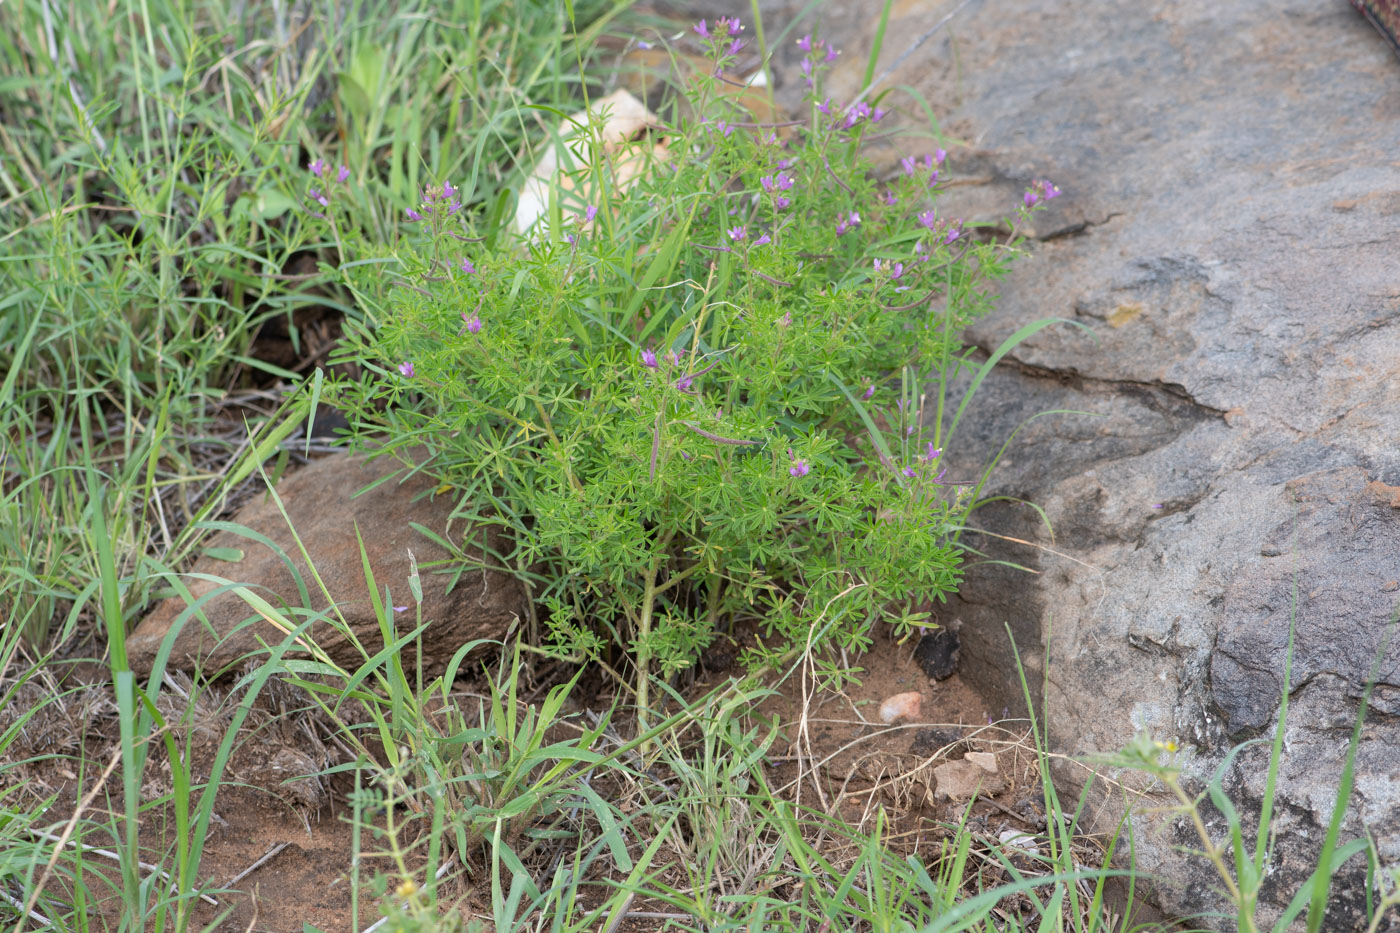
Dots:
{"x": 901, "y": 706}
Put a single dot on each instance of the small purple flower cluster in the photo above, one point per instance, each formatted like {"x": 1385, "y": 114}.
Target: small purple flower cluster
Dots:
{"x": 1040, "y": 190}
{"x": 672, "y": 360}
{"x": 819, "y": 55}
{"x": 799, "y": 466}
{"x": 945, "y": 231}
{"x": 932, "y": 161}
{"x": 774, "y": 185}
{"x": 725, "y": 35}
{"x": 860, "y": 110}
{"x": 848, "y": 223}
{"x": 439, "y": 201}
{"x": 925, "y": 462}
{"x": 890, "y": 271}
{"x": 318, "y": 169}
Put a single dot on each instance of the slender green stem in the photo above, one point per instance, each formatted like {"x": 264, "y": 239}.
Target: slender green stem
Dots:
{"x": 644, "y": 647}
{"x": 1212, "y": 851}
{"x": 649, "y": 594}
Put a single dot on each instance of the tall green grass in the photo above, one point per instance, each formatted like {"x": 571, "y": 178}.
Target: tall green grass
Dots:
{"x": 153, "y": 197}
{"x": 153, "y": 161}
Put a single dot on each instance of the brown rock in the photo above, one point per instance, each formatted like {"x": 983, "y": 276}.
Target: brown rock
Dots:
{"x": 960, "y": 780}
{"x": 319, "y": 504}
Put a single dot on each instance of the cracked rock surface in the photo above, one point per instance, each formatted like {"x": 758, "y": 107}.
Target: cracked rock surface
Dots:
{"x": 1230, "y": 230}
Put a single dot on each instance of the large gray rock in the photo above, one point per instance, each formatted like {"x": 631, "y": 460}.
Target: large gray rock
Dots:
{"x": 1230, "y": 228}
{"x": 325, "y": 503}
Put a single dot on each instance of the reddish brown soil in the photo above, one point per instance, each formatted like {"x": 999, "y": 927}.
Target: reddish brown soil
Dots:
{"x": 835, "y": 756}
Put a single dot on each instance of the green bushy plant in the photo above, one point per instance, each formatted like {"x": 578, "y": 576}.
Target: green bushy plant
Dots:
{"x": 700, "y": 396}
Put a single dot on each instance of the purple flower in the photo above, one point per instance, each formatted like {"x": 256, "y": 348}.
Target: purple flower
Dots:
{"x": 649, "y": 359}
{"x": 342, "y": 174}
{"x": 889, "y": 197}
{"x": 807, "y": 69}
{"x": 589, "y": 214}
{"x": 473, "y": 322}
{"x": 799, "y": 468}
{"x": 857, "y": 113}
{"x": 702, "y": 30}
{"x": 954, "y": 232}
{"x": 725, "y": 128}
{"x": 910, "y": 472}
{"x": 1047, "y": 190}
{"x": 785, "y": 320}
{"x": 781, "y": 182}
{"x": 877, "y": 264}
{"x": 927, "y": 220}
{"x": 447, "y": 190}
{"x": 938, "y": 156}
{"x": 933, "y": 179}
{"x": 763, "y": 240}
{"x": 908, "y": 163}
{"x": 1030, "y": 197}
{"x": 869, "y": 391}
{"x": 878, "y": 114}
{"x": 406, "y": 369}
{"x": 731, "y": 26}
{"x": 781, "y": 202}
{"x": 897, "y": 270}
{"x": 932, "y": 453}
{"x": 644, "y": 45}
{"x": 848, "y": 223}
{"x": 317, "y": 167}
{"x": 737, "y": 233}
{"x": 400, "y": 608}
{"x": 825, "y": 106}
{"x": 831, "y": 53}
{"x": 467, "y": 266}
{"x": 805, "y": 43}
{"x": 785, "y": 164}
{"x": 414, "y": 215}
{"x": 685, "y": 382}
{"x": 318, "y": 197}
{"x": 736, "y": 46}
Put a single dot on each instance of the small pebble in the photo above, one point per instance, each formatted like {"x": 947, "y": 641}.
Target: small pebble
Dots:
{"x": 1016, "y": 839}
{"x": 901, "y": 706}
